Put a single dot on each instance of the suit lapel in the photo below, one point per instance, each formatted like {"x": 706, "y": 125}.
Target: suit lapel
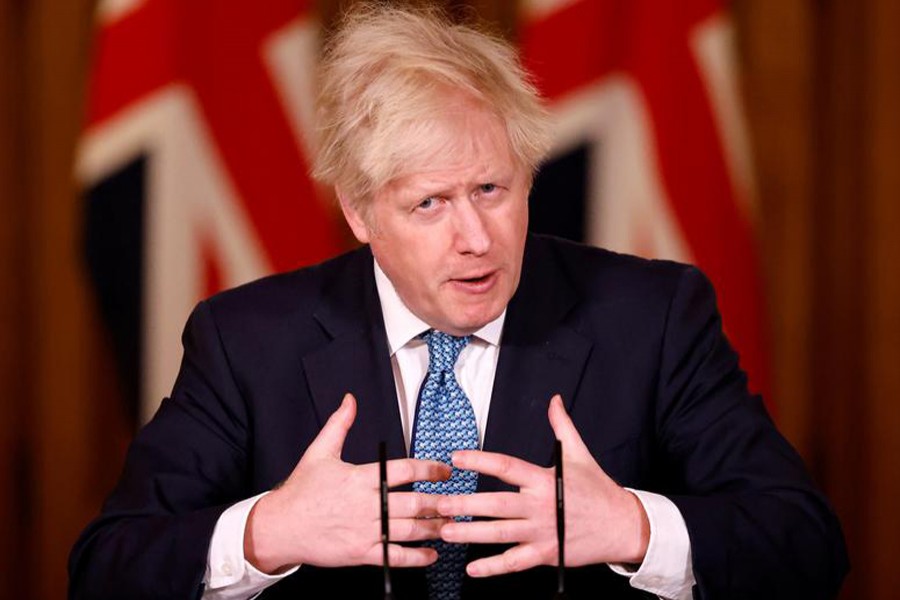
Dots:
{"x": 540, "y": 356}
{"x": 356, "y": 360}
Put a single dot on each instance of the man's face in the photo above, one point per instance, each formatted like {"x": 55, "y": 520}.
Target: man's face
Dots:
{"x": 450, "y": 235}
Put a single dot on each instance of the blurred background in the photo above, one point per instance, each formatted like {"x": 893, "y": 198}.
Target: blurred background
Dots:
{"x": 153, "y": 152}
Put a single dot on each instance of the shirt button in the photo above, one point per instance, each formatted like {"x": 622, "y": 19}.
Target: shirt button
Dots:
{"x": 226, "y": 569}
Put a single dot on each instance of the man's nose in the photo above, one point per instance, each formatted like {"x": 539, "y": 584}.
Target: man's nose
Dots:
{"x": 472, "y": 233}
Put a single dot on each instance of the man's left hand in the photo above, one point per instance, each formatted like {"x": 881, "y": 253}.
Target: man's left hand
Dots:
{"x": 604, "y": 522}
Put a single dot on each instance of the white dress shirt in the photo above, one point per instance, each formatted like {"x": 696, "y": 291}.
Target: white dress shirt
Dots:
{"x": 666, "y": 570}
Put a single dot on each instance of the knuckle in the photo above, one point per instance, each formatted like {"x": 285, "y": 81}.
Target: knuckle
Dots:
{"x": 396, "y": 556}
{"x": 419, "y": 528}
{"x": 551, "y": 555}
{"x": 536, "y": 557}
{"x": 416, "y": 504}
{"x": 396, "y": 471}
{"x": 449, "y": 506}
{"x": 548, "y": 477}
{"x": 512, "y": 562}
{"x": 405, "y": 529}
{"x": 358, "y": 553}
{"x": 503, "y": 533}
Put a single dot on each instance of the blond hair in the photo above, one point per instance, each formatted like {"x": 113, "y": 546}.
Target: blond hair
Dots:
{"x": 384, "y": 80}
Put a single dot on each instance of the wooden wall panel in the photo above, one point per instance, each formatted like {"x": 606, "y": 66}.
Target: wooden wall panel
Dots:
{"x": 13, "y": 305}
{"x": 840, "y": 194}
{"x": 57, "y": 37}
{"x": 774, "y": 43}
{"x": 822, "y": 82}
{"x": 882, "y": 267}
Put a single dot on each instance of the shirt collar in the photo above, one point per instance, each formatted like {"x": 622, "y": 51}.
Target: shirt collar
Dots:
{"x": 402, "y": 325}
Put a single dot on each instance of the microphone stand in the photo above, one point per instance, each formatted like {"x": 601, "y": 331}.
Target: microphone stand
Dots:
{"x": 382, "y": 470}
{"x": 560, "y": 524}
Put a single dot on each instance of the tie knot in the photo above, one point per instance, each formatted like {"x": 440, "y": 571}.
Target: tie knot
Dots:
{"x": 443, "y": 350}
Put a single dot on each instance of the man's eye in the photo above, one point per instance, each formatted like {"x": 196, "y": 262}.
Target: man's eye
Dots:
{"x": 487, "y": 188}
{"x": 427, "y": 203}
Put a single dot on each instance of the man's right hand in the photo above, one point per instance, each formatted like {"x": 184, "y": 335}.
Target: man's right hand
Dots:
{"x": 327, "y": 513}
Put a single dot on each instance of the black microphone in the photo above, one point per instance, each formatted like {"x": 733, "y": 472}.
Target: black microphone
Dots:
{"x": 560, "y": 524}
{"x": 382, "y": 470}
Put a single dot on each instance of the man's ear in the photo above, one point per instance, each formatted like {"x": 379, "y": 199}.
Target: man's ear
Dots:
{"x": 354, "y": 218}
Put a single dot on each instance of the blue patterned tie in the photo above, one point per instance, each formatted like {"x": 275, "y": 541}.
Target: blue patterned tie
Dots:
{"x": 445, "y": 422}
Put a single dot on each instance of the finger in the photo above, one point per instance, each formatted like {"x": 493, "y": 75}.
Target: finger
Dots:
{"x": 413, "y": 504}
{"x": 565, "y": 431}
{"x": 331, "y": 438}
{"x": 407, "y": 470}
{"x": 517, "y": 558}
{"x": 501, "y": 505}
{"x": 502, "y": 466}
{"x": 415, "y": 530}
{"x": 401, "y": 556}
{"x": 506, "y": 531}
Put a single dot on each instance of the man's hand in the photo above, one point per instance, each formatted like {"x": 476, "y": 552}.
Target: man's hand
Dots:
{"x": 604, "y": 522}
{"x": 327, "y": 513}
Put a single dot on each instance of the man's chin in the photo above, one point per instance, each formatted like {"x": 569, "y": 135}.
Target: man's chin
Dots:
{"x": 472, "y": 321}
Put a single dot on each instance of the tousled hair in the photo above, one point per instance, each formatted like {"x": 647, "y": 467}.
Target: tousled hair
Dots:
{"x": 385, "y": 79}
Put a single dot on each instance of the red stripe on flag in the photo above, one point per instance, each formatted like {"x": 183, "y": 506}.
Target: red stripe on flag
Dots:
{"x": 571, "y": 48}
{"x": 131, "y": 60}
{"x": 217, "y": 49}
{"x": 213, "y": 281}
{"x": 252, "y": 130}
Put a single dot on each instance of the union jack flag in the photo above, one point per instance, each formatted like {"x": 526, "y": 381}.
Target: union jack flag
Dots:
{"x": 196, "y": 160}
{"x": 651, "y": 153}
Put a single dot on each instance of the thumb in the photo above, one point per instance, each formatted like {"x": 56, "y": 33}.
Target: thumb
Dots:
{"x": 565, "y": 431}
{"x": 330, "y": 440}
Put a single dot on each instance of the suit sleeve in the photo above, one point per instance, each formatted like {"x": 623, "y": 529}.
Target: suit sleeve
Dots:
{"x": 182, "y": 471}
{"x": 758, "y": 526}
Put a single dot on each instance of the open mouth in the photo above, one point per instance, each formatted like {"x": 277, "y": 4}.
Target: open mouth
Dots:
{"x": 477, "y": 284}
{"x": 480, "y": 279}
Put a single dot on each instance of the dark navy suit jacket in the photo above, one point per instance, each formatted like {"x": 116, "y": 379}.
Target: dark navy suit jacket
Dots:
{"x": 635, "y": 347}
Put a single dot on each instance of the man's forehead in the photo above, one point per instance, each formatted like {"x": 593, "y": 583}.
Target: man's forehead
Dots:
{"x": 463, "y": 142}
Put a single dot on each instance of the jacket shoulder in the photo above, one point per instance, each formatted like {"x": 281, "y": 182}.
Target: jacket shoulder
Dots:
{"x": 602, "y": 275}
{"x": 283, "y": 294}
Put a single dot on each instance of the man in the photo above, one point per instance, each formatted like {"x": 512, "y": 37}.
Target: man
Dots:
{"x": 454, "y": 335}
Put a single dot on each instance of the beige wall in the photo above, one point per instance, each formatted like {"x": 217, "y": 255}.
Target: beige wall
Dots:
{"x": 822, "y": 83}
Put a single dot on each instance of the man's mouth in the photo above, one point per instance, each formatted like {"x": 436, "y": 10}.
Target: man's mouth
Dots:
{"x": 476, "y": 279}
{"x": 476, "y": 282}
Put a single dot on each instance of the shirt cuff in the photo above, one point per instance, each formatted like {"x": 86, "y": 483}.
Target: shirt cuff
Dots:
{"x": 228, "y": 574}
{"x": 666, "y": 570}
